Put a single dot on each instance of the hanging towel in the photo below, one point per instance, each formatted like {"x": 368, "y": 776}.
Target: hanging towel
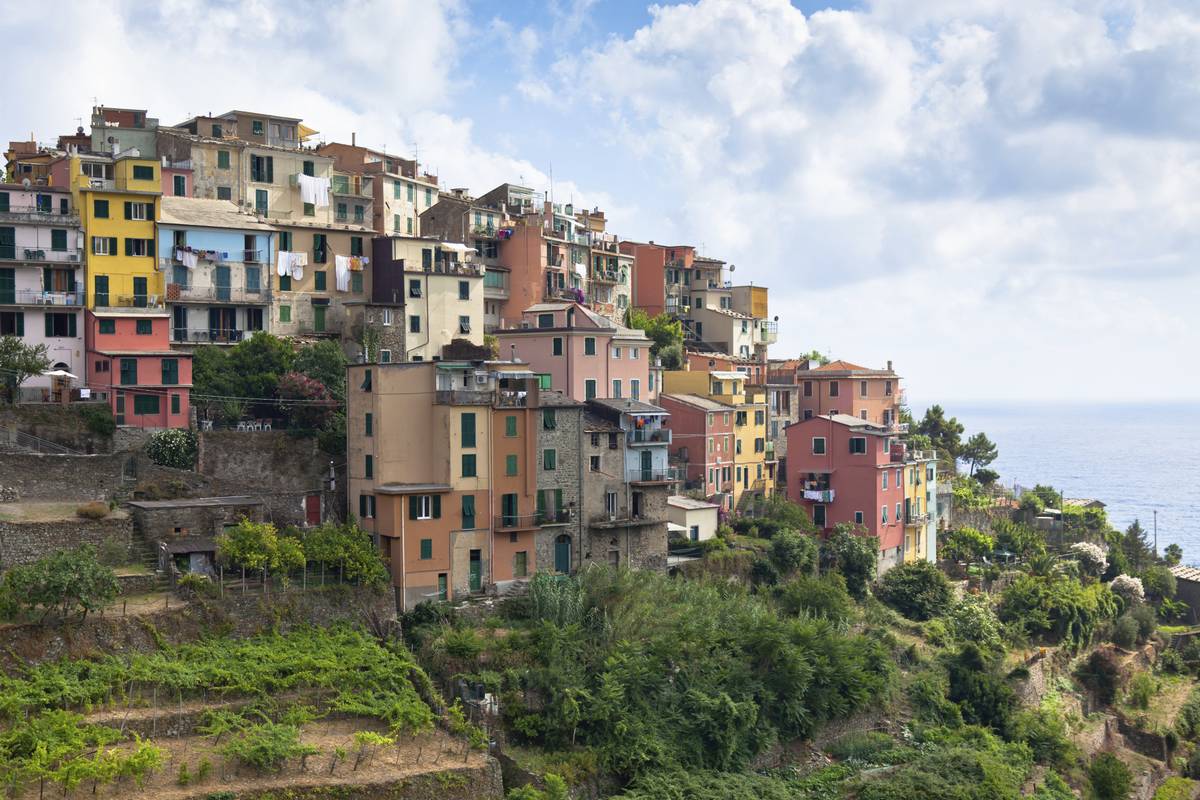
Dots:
{"x": 283, "y": 263}
{"x": 190, "y": 259}
{"x": 341, "y": 272}
{"x": 356, "y": 263}
{"x": 298, "y": 262}
{"x": 314, "y": 190}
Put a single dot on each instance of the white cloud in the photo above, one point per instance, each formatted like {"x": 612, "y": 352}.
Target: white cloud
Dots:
{"x": 934, "y": 181}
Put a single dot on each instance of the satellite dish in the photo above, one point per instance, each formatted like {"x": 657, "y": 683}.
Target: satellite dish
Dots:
{"x": 26, "y": 183}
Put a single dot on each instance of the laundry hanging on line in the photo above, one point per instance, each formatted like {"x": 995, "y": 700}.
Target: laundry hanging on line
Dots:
{"x": 313, "y": 190}
{"x": 341, "y": 273}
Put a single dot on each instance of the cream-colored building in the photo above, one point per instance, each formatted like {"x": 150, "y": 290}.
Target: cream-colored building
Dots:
{"x": 443, "y": 295}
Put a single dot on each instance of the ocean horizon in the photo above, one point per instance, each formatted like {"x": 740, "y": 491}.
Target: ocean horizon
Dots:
{"x": 1137, "y": 458}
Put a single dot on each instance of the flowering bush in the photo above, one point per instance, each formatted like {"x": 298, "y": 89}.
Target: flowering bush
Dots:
{"x": 1091, "y": 557}
{"x": 1128, "y": 588}
{"x": 315, "y": 405}
{"x": 972, "y": 619}
{"x": 173, "y": 448}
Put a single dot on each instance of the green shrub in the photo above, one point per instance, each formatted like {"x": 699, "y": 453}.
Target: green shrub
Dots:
{"x": 1045, "y": 731}
{"x": 97, "y": 418}
{"x": 792, "y": 552}
{"x": 1171, "y": 662}
{"x": 1176, "y": 788}
{"x": 266, "y": 746}
{"x": 1101, "y": 673}
{"x": 1125, "y": 632}
{"x": 982, "y": 695}
{"x": 194, "y": 583}
{"x": 821, "y": 597}
{"x": 462, "y": 643}
{"x": 973, "y": 619}
{"x": 1059, "y": 608}
{"x": 1110, "y": 778}
{"x": 1187, "y": 721}
{"x": 927, "y": 693}
{"x": 937, "y": 633}
{"x": 175, "y": 448}
{"x": 1142, "y": 688}
{"x": 1054, "y": 788}
{"x": 918, "y": 590}
{"x": 95, "y": 510}
{"x": 1146, "y": 619}
{"x": 860, "y": 745}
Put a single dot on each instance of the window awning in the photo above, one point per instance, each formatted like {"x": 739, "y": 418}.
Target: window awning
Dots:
{"x": 461, "y": 249}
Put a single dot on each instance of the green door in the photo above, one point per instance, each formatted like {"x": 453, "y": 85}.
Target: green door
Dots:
{"x": 260, "y": 201}
{"x": 647, "y": 466}
{"x": 562, "y": 554}
{"x": 442, "y": 587}
{"x": 8, "y": 285}
{"x": 319, "y": 319}
{"x": 476, "y": 575}
{"x": 221, "y": 278}
{"x": 8, "y": 242}
{"x": 140, "y": 295}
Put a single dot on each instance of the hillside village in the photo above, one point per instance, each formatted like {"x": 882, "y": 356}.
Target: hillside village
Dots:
{"x": 316, "y": 474}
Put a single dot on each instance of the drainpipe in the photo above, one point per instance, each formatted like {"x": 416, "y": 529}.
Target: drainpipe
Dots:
{"x": 579, "y": 496}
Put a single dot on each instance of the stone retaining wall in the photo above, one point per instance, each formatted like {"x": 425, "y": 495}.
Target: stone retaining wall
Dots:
{"x": 26, "y": 542}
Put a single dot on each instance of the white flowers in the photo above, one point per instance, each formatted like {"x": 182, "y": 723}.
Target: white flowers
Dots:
{"x": 1129, "y": 588}
{"x": 1092, "y": 558}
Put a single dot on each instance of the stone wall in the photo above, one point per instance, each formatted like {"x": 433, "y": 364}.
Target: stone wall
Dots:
{"x": 26, "y": 542}
{"x": 53, "y": 477}
{"x": 565, "y": 440}
{"x": 62, "y": 425}
{"x": 453, "y": 783}
{"x": 165, "y": 523}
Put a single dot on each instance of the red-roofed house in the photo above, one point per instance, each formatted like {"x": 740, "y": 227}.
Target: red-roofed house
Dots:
{"x": 841, "y": 387}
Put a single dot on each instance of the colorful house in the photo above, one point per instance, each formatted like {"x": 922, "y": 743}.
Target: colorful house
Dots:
{"x": 702, "y": 444}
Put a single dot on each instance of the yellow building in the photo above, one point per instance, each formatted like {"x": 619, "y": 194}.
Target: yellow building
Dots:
{"x": 752, "y": 479}
{"x": 919, "y": 492}
{"x": 118, "y": 219}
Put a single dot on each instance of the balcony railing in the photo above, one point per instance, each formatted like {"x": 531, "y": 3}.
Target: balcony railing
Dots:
{"x": 39, "y": 254}
{"x": 149, "y": 301}
{"x": 820, "y": 495}
{"x": 351, "y": 185}
{"x": 916, "y": 519}
{"x": 510, "y": 522}
{"x": 463, "y": 397}
{"x": 252, "y": 256}
{"x": 215, "y": 294}
{"x": 649, "y": 436}
{"x": 512, "y": 398}
{"x": 208, "y": 335}
{"x": 36, "y": 297}
{"x": 607, "y": 276}
{"x": 25, "y": 212}
{"x": 658, "y": 475}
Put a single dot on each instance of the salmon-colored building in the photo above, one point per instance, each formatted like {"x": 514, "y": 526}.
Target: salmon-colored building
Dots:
{"x": 585, "y": 355}
{"x": 130, "y": 361}
{"x": 845, "y": 469}
{"x": 662, "y": 276}
{"x": 841, "y": 387}
{"x": 703, "y": 444}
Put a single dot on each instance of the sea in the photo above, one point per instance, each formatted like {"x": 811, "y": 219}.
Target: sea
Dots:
{"x": 1138, "y": 459}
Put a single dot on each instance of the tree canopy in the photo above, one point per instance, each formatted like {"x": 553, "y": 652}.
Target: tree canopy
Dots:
{"x": 664, "y": 330}
{"x": 979, "y": 451}
{"x": 945, "y": 434}
{"x": 19, "y": 362}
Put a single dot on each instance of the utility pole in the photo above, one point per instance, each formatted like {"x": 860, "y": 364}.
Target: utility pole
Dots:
{"x": 1156, "y": 533}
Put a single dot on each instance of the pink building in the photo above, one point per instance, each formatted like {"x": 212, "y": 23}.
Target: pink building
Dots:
{"x": 177, "y": 179}
{"x": 846, "y": 469}
{"x": 586, "y": 355}
{"x": 130, "y": 361}
{"x": 702, "y": 443}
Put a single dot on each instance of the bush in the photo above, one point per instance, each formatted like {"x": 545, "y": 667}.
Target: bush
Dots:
{"x": 193, "y": 583}
{"x": 1159, "y": 582}
{"x": 1176, "y": 788}
{"x": 982, "y": 695}
{"x": 1110, "y": 778}
{"x": 1125, "y": 632}
{"x": 1091, "y": 557}
{"x": 1045, "y": 731}
{"x": 175, "y": 448}
{"x": 821, "y": 597}
{"x": 792, "y": 552}
{"x": 1060, "y": 608}
{"x": 462, "y": 644}
{"x": 861, "y": 745}
{"x": 854, "y": 555}
{"x": 266, "y": 746}
{"x": 1102, "y": 674}
{"x": 972, "y": 619}
{"x": 1142, "y": 688}
{"x": 1187, "y": 721}
{"x": 927, "y": 693}
{"x": 94, "y": 510}
{"x": 917, "y": 590}
{"x": 67, "y": 581}
{"x": 1146, "y": 621}
{"x": 98, "y": 418}
{"x": 1128, "y": 589}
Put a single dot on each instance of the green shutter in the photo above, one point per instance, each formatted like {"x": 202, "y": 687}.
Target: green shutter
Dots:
{"x": 413, "y": 504}
{"x": 128, "y": 210}
{"x": 20, "y": 323}
{"x": 270, "y": 169}
{"x": 362, "y": 506}
{"x": 437, "y": 506}
{"x": 129, "y": 247}
{"x": 72, "y": 330}
{"x": 510, "y": 426}
{"x": 510, "y": 465}
{"x": 468, "y": 511}
{"x": 426, "y": 549}
{"x": 49, "y": 321}
{"x": 549, "y": 459}
{"x": 468, "y": 430}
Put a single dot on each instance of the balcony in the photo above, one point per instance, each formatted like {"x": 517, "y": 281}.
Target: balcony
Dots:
{"x": 150, "y": 302}
{"x": 463, "y": 397}
{"x": 36, "y": 297}
{"x": 495, "y": 285}
{"x": 467, "y": 269}
{"x": 768, "y": 332}
{"x": 607, "y": 276}
{"x": 621, "y": 518}
{"x": 916, "y": 519}
{"x": 352, "y": 186}
{"x": 178, "y": 293}
{"x": 649, "y": 436}
{"x": 516, "y": 522}
{"x": 252, "y": 256}
{"x": 512, "y": 398}
{"x": 38, "y": 255}
{"x": 208, "y": 335}
{"x": 484, "y": 232}
{"x": 654, "y": 475}
{"x": 39, "y": 216}
{"x": 331, "y": 329}
{"x": 820, "y": 495}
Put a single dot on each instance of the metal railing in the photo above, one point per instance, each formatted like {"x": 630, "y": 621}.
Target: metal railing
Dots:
{"x": 219, "y": 294}
{"x": 650, "y": 436}
{"x": 658, "y": 475}
{"x": 508, "y": 522}
{"x": 352, "y": 185}
{"x": 26, "y": 212}
{"x": 463, "y": 397}
{"x": 512, "y": 398}
{"x": 11, "y": 253}
{"x": 37, "y": 297}
{"x": 208, "y": 335}
{"x": 820, "y": 495}
{"x": 129, "y": 301}
{"x": 12, "y": 436}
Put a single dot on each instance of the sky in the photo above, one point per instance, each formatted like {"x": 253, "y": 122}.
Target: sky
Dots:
{"x": 1002, "y": 198}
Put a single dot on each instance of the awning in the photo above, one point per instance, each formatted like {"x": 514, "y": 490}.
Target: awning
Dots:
{"x": 305, "y": 131}
{"x": 60, "y": 373}
{"x": 461, "y": 249}
{"x": 728, "y": 376}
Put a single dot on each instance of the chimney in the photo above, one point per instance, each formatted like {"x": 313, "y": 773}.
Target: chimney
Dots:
{"x": 352, "y": 138}
{"x": 889, "y": 365}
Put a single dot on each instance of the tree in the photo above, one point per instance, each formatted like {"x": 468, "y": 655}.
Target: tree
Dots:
{"x": 979, "y": 451}
{"x": 987, "y": 477}
{"x": 324, "y": 362}
{"x": 918, "y": 590}
{"x": 67, "y": 580}
{"x": 854, "y": 555}
{"x": 311, "y": 406}
{"x": 792, "y": 552}
{"x": 256, "y": 365}
{"x": 1136, "y": 545}
{"x": 1173, "y": 554}
{"x": 1110, "y": 778}
{"x": 965, "y": 544}
{"x": 814, "y": 357}
{"x": 211, "y": 376}
{"x": 664, "y": 330}
{"x": 19, "y": 362}
{"x": 944, "y": 434}
{"x": 258, "y": 546}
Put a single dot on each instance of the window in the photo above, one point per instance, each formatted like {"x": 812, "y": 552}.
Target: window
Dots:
{"x": 425, "y": 506}
{"x": 819, "y": 516}
{"x": 58, "y": 240}
{"x": 468, "y": 511}
{"x": 634, "y": 352}
{"x": 254, "y": 280}
{"x": 385, "y": 356}
{"x": 179, "y": 185}
{"x": 557, "y": 346}
{"x": 635, "y": 389}
{"x": 858, "y": 445}
{"x": 366, "y": 506}
{"x": 549, "y": 459}
{"x": 510, "y": 465}
{"x": 12, "y": 323}
{"x": 468, "y": 465}
{"x": 170, "y": 371}
{"x": 520, "y": 561}
{"x": 216, "y": 131}
{"x": 897, "y": 517}
{"x": 858, "y": 518}
{"x": 428, "y": 196}
{"x": 222, "y": 159}
{"x": 414, "y": 324}
{"x": 262, "y": 169}
{"x": 834, "y": 388}
{"x": 60, "y": 324}
{"x": 426, "y": 549}
{"x": 143, "y": 173}
{"x": 883, "y": 514}
{"x": 224, "y": 193}
{"x": 285, "y": 312}
{"x": 369, "y": 467}
{"x": 104, "y": 246}
{"x": 320, "y": 250}
{"x": 285, "y": 240}
{"x": 549, "y": 421}
{"x": 545, "y": 320}
{"x": 108, "y": 326}
{"x": 589, "y": 389}
{"x": 385, "y": 316}
{"x": 595, "y": 440}
{"x": 818, "y": 445}
{"x": 145, "y": 327}
{"x": 145, "y": 403}
{"x": 862, "y": 388}
{"x": 595, "y": 463}
{"x": 887, "y": 388}
{"x": 610, "y": 503}
{"x": 616, "y": 352}
{"x": 319, "y": 280}
{"x": 414, "y": 287}
{"x": 589, "y": 346}
{"x": 128, "y": 371}
{"x": 464, "y": 290}
{"x": 366, "y": 384}
{"x": 466, "y": 426}
{"x": 808, "y": 388}
{"x": 510, "y": 426}
{"x": 410, "y": 188}
{"x": 885, "y": 482}
{"x": 464, "y": 324}
{"x": 368, "y": 424}
{"x": 408, "y": 226}
{"x": 616, "y": 387}
{"x": 175, "y": 405}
